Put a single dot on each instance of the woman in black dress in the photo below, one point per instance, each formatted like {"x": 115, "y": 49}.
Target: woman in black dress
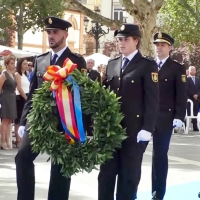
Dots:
{"x": 8, "y": 100}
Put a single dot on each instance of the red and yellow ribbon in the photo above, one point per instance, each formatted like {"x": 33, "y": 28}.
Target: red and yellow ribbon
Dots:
{"x": 63, "y": 96}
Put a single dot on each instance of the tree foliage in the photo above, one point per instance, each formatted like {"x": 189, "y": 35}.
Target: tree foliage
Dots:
{"x": 188, "y": 54}
{"x": 181, "y": 19}
{"x": 144, "y": 13}
{"x": 23, "y": 15}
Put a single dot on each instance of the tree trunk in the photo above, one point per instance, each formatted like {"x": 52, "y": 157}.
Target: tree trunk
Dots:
{"x": 20, "y": 30}
{"x": 148, "y": 29}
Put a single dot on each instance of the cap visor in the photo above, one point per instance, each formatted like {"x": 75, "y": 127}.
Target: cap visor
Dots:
{"x": 121, "y": 35}
{"x": 161, "y": 40}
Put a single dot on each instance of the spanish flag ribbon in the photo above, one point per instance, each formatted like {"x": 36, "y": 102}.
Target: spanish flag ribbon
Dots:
{"x": 68, "y": 103}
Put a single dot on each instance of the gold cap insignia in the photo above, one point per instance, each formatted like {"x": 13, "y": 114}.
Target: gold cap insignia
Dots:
{"x": 183, "y": 78}
{"x": 122, "y": 28}
{"x": 159, "y": 35}
{"x": 154, "y": 76}
{"x": 50, "y": 21}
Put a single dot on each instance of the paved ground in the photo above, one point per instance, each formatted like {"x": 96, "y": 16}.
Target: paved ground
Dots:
{"x": 183, "y": 179}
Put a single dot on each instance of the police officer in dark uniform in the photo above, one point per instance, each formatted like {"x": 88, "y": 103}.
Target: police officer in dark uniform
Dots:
{"x": 134, "y": 78}
{"x": 173, "y": 100}
{"x": 57, "y": 30}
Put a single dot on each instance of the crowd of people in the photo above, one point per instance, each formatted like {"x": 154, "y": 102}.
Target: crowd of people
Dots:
{"x": 14, "y": 88}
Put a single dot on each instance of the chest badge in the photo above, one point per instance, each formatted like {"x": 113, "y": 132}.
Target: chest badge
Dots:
{"x": 183, "y": 77}
{"x": 154, "y": 76}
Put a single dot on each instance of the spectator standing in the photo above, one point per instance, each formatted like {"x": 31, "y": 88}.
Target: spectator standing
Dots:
{"x": 193, "y": 92}
{"x": 8, "y": 100}
{"x": 21, "y": 93}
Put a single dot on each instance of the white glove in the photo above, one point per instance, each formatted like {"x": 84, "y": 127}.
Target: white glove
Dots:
{"x": 177, "y": 123}
{"x": 143, "y": 136}
{"x": 21, "y": 131}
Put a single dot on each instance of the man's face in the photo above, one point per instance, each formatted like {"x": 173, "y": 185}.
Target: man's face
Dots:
{"x": 30, "y": 66}
{"x": 162, "y": 49}
{"x": 56, "y": 37}
{"x": 90, "y": 64}
{"x": 192, "y": 71}
{"x": 127, "y": 45}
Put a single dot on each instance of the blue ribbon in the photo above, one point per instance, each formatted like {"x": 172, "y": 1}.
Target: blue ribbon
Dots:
{"x": 78, "y": 112}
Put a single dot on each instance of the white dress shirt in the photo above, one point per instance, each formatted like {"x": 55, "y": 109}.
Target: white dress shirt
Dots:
{"x": 163, "y": 61}
{"x": 130, "y": 57}
{"x": 59, "y": 53}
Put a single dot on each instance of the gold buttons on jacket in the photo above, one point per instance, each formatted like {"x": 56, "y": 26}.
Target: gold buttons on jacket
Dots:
{"x": 117, "y": 88}
{"x": 169, "y": 109}
{"x": 138, "y": 115}
{"x": 165, "y": 79}
{"x": 132, "y": 81}
{"x": 119, "y": 78}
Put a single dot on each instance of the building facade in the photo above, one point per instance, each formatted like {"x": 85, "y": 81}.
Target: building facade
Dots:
{"x": 112, "y": 10}
{"x": 38, "y": 41}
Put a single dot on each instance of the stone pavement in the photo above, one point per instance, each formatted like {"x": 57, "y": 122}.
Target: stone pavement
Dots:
{"x": 183, "y": 178}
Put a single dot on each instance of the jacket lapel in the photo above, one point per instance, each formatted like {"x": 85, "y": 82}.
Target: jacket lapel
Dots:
{"x": 132, "y": 64}
{"x": 63, "y": 56}
{"x": 46, "y": 61}
{"x": 166, "y": 65}
{"x": 117, "y": 66}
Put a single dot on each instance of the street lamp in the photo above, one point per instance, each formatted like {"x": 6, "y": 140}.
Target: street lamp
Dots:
{"x": 96, "y": 30}
{"x": 125, "y": 14}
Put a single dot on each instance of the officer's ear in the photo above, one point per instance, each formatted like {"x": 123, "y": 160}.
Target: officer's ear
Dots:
{"x": 137, "y": 39}
{"x": 170, "y": 48}
{"x": 65, "y": 33}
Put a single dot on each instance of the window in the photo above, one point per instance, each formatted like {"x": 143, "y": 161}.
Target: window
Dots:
{"x": 118, "y": 14}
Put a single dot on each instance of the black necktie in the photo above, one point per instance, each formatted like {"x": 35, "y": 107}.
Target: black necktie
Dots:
{"x": 53, "y": 60}
{"x": 126, "y": 60}
{"x": 159, "y": 65}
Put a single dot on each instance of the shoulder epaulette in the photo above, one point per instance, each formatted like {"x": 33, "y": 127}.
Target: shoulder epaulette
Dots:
{"x": 148, "y": 58}
{"x": 77, "y": 54}
{"x": 114, "y": 58}
{"x": 43, "y": 54}
{"x": 177, "y": 62}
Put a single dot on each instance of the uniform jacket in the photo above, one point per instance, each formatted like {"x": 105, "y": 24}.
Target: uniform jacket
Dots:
{"x": 137, "y": 86}
{"x": 93, "y": 75}
{"x": 40, "y": 66}
{"x": 173, "y": 95}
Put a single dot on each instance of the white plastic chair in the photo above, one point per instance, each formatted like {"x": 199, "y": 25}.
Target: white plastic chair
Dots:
{"x": 191, "y": 116}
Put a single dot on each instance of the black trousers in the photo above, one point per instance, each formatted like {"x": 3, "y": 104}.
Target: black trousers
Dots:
{"x": 126, "y": 163}
{"x": 161, "y": 141}
{"x": 58, "y": 187}
{"x": 195, "y": 111}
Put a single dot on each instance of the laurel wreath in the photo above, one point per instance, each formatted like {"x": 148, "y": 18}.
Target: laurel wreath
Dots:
{"x": 104, "y": 108}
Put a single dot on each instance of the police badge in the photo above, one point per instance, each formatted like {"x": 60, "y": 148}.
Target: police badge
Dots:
{"x": 159, "y": 35}
{"x": 184, "y": 78}
{"x": 50, "y": 21}
{"x": 154, "y": 76}
{"x": 122, "y": 28}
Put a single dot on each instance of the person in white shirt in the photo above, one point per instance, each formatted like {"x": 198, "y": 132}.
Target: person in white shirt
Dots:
{"x": 22, "y": 91}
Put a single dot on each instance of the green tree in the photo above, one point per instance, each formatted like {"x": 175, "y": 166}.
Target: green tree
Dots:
{"x": 23, "y": 15}
{"x": 181, "y": 18}
{"x": 144, "y": 12}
